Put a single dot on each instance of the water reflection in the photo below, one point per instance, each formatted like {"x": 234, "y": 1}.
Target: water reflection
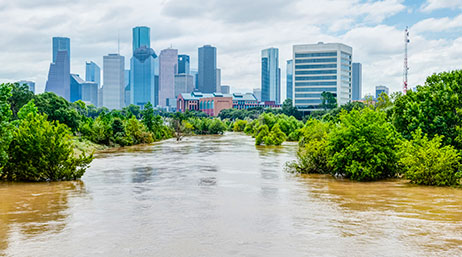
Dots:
{"x": 31, "y": 209}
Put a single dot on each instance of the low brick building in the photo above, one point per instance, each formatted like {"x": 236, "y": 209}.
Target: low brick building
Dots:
{"x": 212, "y": 104}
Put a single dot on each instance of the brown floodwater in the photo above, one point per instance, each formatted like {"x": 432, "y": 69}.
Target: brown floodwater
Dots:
{"x": 223, "y": 196}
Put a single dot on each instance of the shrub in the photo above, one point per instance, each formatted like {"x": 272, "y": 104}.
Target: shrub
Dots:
{"x": 5, "y": 127}
{"x": 312, "y": 158}
{"x": 362, "y": 146}
{"x": 427, "y": 162}
{"x": 239, "y": 125}
{"x": 261, "y": 133}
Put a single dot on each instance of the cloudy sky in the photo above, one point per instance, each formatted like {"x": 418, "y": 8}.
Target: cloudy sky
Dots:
{"x": 239, "y": 29}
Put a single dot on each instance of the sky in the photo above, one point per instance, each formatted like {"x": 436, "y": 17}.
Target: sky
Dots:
{"x": 239, "y": 29}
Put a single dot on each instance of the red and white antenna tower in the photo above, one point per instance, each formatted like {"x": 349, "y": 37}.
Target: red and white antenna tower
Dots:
{"x": 406, "y": 67}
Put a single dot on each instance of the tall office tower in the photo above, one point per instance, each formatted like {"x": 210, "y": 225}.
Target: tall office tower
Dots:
{"x": 321, "y": 68}
{"x": 183, "y": 64}
{"x": 218, "y": 81}
{"x": 184, "y": 83}
{"x": 195, "y": 73}
{"x": 141, "y": 37}
{"x": 127, "y": 87}
{"x": 76, "y": 87}
{"x": 59, "y": 75}
{"x": 114, "y": 81}
{"x": 270, "y": 75}
{"x": 225, "y": 89}
{"x": 168, "y": 67}
{"x": 61, "y": 44}
{"x": 257, "y": 93}
{"x": 357, "y": 81}
{"x": 93, "y": 73}
{"x": 381, "y": 89}
{"x": 207, "y": 79}
{"x": 289, "y": 79}
{"x": 30, "y": 84}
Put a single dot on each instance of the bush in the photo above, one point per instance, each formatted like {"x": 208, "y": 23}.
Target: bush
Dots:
{"x": 362, "y": 146}
{"x": 261, "y": 133}
{"x": 427, "y": 162}
{"x": 239, "y": 125}
{"x": 312, "y": 158}
{"x": 5, "y": 127}
{"x": 42, "y": 150}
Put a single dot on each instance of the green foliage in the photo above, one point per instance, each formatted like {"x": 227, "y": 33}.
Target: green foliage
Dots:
{"x": 290, "y": 110}
{"x": 5, "y": 127}
{"x": 334, "y": 114}
{"x": 261, "y": 133}
{"x": 57, "y": 108}
{"x": 20, "y": 96}
{"x": 42, "y": 150}
{"x": 275, "y": 137}
{"x": 362, "y": 146}
{"x": 435, "y": 108}
{"x": 427, "y": 162}
{"x": 239, "y": 125}
{"x": 328, "y": 101}
{"x": 216, "y": 127}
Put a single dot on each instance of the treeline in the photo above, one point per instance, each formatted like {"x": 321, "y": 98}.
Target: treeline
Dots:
{"x": 39, "y": 133}
{"x": 416, "y": 136}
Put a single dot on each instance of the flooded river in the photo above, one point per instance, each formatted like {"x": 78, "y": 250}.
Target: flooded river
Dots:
{"x": 223, "y": 196}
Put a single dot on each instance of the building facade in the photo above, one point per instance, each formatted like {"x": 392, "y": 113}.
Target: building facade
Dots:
{"x": 168, "y": 67}
{"x": 357, "y": 81}
{"x": 225, "y": 89}
{"x": 114, "y": 81}
{"x": 218, "y": 90}
{"x": 183, "y": 64}
{"x": 92, "y": 73}
{"x": 270, "y": 75}
{"x": 257, "y": 93}
{"x": 214, "y": 103}
{"x": 381, "y": 89}
{"x": 184, "y": 83}
{"x": 321, "y": 68}
{"x": 207, "y": 73}
{"x": 59, "y": 74}
{"x": 30, "y": 84}
{"x": 289, "y": 79}
{"x": 141, "y": 37}
{"x": 143, "y": 71}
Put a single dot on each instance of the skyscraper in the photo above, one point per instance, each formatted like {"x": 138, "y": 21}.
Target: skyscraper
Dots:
{"x": 225, "y": 89}
{"x": 141, "y": 37}
{"x": 257, "y": 93}
{"x": 76, "y": 87}
{"x": 321, "y": 68}
{"x": 218, "y": 81}
{"x": 113, "y": 76}
{"x": 183, "y": 64}
{"x": 168, "y": 67}
{"x": 30, "y": 84}
{"x": 59, "y": 74}
{"x": 184, "y": 83}
{"x": 207, "y": 79}
{"x": 289, "y": 79}
{"x": 61, "y": 44}
{"x": 357, "y": 81}
{"x": 270, "y": 75}
{"x": 93, "y": 73}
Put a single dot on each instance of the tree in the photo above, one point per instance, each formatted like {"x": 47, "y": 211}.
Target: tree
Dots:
{"x": 328, "y": 100}
{"x": 5, "y": 126}
{"x": 362, "y": 146}
{"x": 148, "y": 116}
{"x": 289, "y": 110}
{"x": 57, "y": 108}
{"x": 20, "y": 95}
{"x": 239, "y": 125}
{"x": 427, "y": 162}
{"x": 435, "y": 108}
{"x": 42, "y": 150}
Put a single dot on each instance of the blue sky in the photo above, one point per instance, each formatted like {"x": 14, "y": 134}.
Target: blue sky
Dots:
{"x": 239, "y": 29}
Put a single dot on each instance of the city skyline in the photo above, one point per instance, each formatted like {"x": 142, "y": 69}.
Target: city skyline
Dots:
{"x": 368, "y": 28}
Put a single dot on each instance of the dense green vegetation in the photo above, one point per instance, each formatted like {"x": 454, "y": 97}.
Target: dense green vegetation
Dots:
{"x": 416, "y": 136}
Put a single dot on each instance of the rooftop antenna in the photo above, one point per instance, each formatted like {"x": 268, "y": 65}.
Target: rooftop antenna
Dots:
{"x": 406, "y": 67}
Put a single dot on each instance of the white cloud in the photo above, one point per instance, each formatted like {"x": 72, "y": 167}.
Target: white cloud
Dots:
{"x": 432, "y": 5}
{"x": 437, "y": 25}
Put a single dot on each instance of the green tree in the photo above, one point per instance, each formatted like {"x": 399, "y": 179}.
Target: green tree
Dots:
{"x": 148, "y": 116}
{"x": 362, "y": 146}
{"x": 216, "y": 126}
{"x": 328, "y": 100}
{"x": 5, "y": 126}
{"x": 42, "y": 150}
{"x": 57, "y": 108}
{"x": 427, "y": 162}
{"x": 20, "y": 95}
{"x": 239, "y": 125}
{"x": 275, "y": 137}
{"x": 261, "y": 133}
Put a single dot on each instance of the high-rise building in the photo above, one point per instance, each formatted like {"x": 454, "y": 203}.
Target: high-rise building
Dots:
{"x": 257, "y": 93}
{"x": 141, "y": 37}
{"x": 30, "y": 84}
{"x": 225, "y": 89}
{"x": 207, "y": 79}
{"x": 93, "y": 73}
{"x": 183, "y": 64}
{"x": 289, "y": 79}
{"x": 86, "y": 91}
{"x": 357, "y": 81}
{"x": 76, "y": 87}
{"x": 61, "y": 44}
{"x": 195, "y": 73}
{"x": 218, "y": 90}
{"x": 59, "y": 75}
{"x": 168, "y": 67}
{"x": 114, "y": 81}
{"x": 381, "y": 89}
{"x": 321, "y": 68}
{"x": 184, "y": 83}
{"x": 127, "y": 88}
{"x": 270, "y": 75}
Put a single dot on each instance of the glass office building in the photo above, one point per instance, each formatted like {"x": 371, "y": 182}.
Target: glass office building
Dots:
{"x": 61, "y": 44}
{"x": 141, "y": 37}
{"x": 357, "y": 81}
{"x": 93, "y": 73}
{"x": 114, "y": 81}
{"x": 289, "y": 79}
{"x": 168, "y": 67}
{"x": 183, "y": 64}
{"x": 270, "y": 75}
{"x": 381, "y": 89}
{"x": 143, "y": 69}
{"x": 207, "y": 77}
{"x": 321, "y": 68}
